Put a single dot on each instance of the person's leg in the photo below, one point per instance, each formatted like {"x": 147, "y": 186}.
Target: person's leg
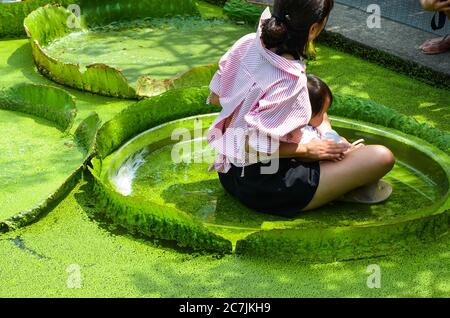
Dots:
{"x": 437, "y": 45}
{"x": 360, "y": 167}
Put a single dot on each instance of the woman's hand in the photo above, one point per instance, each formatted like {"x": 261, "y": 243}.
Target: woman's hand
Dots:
{"x": 436, "y": 5}
{"x": 323, "y": 150}
{"x": 345, "y": 142}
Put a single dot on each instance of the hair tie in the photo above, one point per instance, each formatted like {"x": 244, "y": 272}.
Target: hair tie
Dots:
{"x": 286, "y": 20}
{"x": 282, "y": 19}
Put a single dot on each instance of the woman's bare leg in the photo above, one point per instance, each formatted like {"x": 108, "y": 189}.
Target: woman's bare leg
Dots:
{"x": 360, "y": 167}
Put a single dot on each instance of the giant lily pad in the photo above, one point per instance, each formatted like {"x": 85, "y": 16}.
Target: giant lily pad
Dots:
{"x": 142, "y": 173}
{"x": 39, "y": 161}
{"x": 129, "y": 50}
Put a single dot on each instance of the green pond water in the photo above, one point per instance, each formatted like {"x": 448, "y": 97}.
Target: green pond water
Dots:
{"x": 191, "y": 188}
{"x": 35, "y": 159}
{"x": 160, "y": 48}
{"x": 121, "y": 266}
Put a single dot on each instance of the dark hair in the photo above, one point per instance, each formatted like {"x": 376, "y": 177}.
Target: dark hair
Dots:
{"x": 288, "y": 29}
{"x": 318, "y": 92}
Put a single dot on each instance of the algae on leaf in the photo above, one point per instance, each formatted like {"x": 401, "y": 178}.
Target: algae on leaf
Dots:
{"x": 369, "y": 111}
{"x": 154, "y": 220}
{"x": 37, "y": 161}
{"x": 151, "y": 112}
{"x": 13, "y": 14}
{"x": 51, "y": 103}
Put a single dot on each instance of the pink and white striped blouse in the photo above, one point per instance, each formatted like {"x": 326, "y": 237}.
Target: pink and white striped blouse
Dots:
{"x": 265, "y": 94}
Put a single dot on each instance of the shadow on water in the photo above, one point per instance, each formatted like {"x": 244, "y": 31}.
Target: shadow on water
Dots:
{"x": 162, "y": 50}
{"x": 22, "y": 57}
{"x": 208, "y": 202}
{"x": 19, "y": 242}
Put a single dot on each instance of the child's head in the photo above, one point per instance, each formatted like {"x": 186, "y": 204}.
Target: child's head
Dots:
{"x": 321, "y": 99}
{"x": 294, "y": 24}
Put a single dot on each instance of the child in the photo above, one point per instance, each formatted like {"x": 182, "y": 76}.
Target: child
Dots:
{"x": 321, "y": 100}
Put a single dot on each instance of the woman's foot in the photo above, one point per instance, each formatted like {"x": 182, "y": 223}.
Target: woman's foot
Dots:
{"x": 436, "y": 46}
{"x": 370, "y": 194}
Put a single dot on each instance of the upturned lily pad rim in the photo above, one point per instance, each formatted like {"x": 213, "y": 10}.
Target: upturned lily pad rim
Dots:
{"x": 114, "y": 160}
{"x": 263, "y": 239}
{"x": 51, "y": 104}
{"x": 101, "y": 78}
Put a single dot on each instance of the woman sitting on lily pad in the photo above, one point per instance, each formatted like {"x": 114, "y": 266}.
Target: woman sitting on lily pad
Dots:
{"x": 262, "y": 88}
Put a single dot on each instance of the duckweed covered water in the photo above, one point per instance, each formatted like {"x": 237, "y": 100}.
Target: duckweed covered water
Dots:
{"x": 160, "y": 48}
{"x": 35, "y": 159}
{"x": 191, "y": 188}
{"x": 121, "y": 266}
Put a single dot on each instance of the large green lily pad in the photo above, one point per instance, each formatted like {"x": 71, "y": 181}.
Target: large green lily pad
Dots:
{"x": 144, "y": 170}
{"x": 140, "y": 53}
{"x": 40, "y": 161}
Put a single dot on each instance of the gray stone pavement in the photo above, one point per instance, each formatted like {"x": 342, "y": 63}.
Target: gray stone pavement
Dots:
{"x": 409, "y": 12}
{"x": 394, "y": 38}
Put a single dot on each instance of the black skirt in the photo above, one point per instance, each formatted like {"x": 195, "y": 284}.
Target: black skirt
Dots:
{"x": 286, "y": 192}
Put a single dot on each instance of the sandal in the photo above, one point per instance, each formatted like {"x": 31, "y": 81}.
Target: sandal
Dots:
{"x": 358, "y": 142}
{"x": 436, "y": 46}
{"x": 369, "y": 194}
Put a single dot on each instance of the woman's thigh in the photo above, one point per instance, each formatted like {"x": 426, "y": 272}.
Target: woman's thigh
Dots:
{"x": 360, "y": 167}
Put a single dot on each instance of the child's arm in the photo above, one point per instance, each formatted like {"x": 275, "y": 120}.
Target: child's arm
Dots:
{"x": 326, "y": 127}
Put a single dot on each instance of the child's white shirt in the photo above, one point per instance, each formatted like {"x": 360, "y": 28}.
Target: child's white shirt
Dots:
{"x": 309, "y": 133}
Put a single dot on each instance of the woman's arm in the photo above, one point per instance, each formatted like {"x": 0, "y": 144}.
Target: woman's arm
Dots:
{"x": 315, "y": 150}
{"x": 214, "y": 100}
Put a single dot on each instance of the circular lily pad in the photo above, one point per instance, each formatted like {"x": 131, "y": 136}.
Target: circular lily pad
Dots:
{"x": 39, "y": 161}
{"x": 144, "y": 169}
{"x": 158, "y": 48}
{"x": 34, "y": 161}
{"x": 137, "y": 53}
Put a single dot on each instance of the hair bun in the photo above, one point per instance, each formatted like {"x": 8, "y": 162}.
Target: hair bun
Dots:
{"x": 274, "y": 32}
